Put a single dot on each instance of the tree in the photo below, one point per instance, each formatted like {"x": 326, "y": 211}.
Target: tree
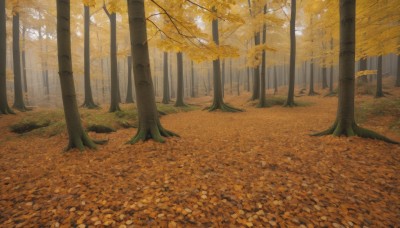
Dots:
{"x": 398, "y": 71}
{"x": 379, "y": 90}
{"x": 166, "y": 95}
{"x": 290, "y": 99}
{"x": 77, "y": 136}
{"x": 88, "y": 103}
{"x": 218, "y": 101}
{"x": 345, "y": 122}
{"x": 129, "y": 94}
{"x": 18, "y": 94}
{"x": 179, "y": 88}
{"x": 115, "y": 96}
{"x": 149, "y": 122}
{"x": 262, "y": 102}
{"x": 4, "y": 108}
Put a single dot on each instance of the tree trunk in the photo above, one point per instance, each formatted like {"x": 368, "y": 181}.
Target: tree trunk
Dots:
{"x": 223, "y": 78}
{"x": 149, "y": 122}
{"x": 345, "y": 123}
{"x": 256, "y": 76}
{"x": 77, "y": 136}
{"x": 192, "y": 94}
{"x": 311, "y": 91}
{"x": 180, "y": 90}
{"x": 379, "y": 91}
{"x": 324, "y": 77}
{"x": 218, "y": 102}
{"x": 398, "y": 72}
{"x": 166, "y": 97}
{"x": 275, "y": 81}
{"x": 290, "y": 99}
{"x": 23, "y": 53}
{"x": 230, "y": 76}
{"x": 262, "y": 102}
{"x": 129, "y": 93}
{"x": 363, "y": 66}
{"x": 115, "y": 96}
{"x": 4, "y": 108}
{"x": 18, "y": 95}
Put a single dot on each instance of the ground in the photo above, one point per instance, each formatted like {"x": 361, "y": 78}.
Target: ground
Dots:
{"x": 256, "y": 168}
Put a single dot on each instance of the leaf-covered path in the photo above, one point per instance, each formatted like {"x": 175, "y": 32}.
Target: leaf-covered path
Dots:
{"x": 257, "y": 168}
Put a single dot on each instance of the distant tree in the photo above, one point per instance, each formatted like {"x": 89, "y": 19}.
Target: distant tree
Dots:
{"x": 398, "y": 71}
{"x": 115, "y": 96}
{"x": 88, "y": 103}
{"x": 77, "y": 136}
{"x": 166, "y": 94}
{"x": 18, "y": 93}
{"x": 262, "y": 101}
{"x": 379, "y": 90}
{"x": 290, "y": 99}
{"x": 4, "y": 108}
{"x": 218, "y": 101}
{"x": 179, "y": 88}
{"x": 149, "y": 122}
{"x": 345, "y": 122}
{"x": 129, "y": 94}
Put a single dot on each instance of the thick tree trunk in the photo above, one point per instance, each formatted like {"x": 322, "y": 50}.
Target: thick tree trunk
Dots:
{"x": 166, "y": 97}
{"x": 115, "y": 96}
{"x": 262, "y": 101}
{"x": 218, "y": 102}
{"x": 18, "y": 95}
{"x": 88, "y": 102}
{"x": 129, "y": 93}
{"x": 149, "y": 122}
{"x": 4, "y": 108}
{"x": 256, "y": 76}
{"x": 77, "y": 136}
{"x": 290, "y": 99}
{"x": 345, "y": 123}
{"x": 180, "y": 90}
{"x": 379, "y": 91}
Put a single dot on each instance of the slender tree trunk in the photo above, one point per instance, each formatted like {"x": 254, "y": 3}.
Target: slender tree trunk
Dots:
{"x": 4, "y": 108}
{"x": 262, "y": 102}
{"x": 129, "y": 94}
{"x": 166, "y": 97}
{"x": 149, "y": 122}
{"x": 180, "y": 90}
{"x": 311, "y": 91}
{"x": 18, "y": 94}
{"x": 248, "y": 79}
{"x": 218, "y": 102}
{"x": 223, "y": 77}
{"x": 25, "y": 82}
{"x": 363, "y": 66}
{"x": 88, "y": 103}
{"x": 192, "y": 81}
{"x": 379, "y": 91}
{"x": 398, "y": 72}
{"x": 290, "y": 99}
{"x": 115, "y": 96}
{"x": 345, "y": 123}
{"x": 77, "y": 136}
{"x": 256, "y": 76}
{"x": 230, "y": 76}
{"x": 324, "y": 77}
{"x": 275, "y": 81}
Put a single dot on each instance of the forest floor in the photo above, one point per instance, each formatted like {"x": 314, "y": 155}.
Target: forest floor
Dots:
{"x": 256, "y": 168}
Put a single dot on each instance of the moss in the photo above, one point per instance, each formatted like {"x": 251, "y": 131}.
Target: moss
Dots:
{"x": 168, "y": 109}
{"x": 28, "y": 125}
{"x": 98, "y": 128}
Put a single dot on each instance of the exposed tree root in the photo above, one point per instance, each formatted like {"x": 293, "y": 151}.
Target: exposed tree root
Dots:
{"x": 6, "y": 110}
{"x": 89, "y": 105}
{"x": 337, "y": 129}
{"x": 80, "y": 141}
{"x": 223, "y": 107}
{"x": 290, "y": 104}
{"x": 154, "y": 131}
{"x": 161, "y": 113}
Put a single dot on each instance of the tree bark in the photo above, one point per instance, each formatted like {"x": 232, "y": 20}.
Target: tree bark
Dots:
{"x": 149, "y": 122}
{"x": 23, "y": 53}
{"x": 379, "y": 91}
{"x": 275, "y": 81}
{"x": 398, "y": 72}
{"x": 166, "y": 96}
{"x": 88, "y": 102}
{"x": 77, "y": 136}
{"x": 262, "y": 101}
{"x": 129, "y": 93}
{"x": 256, "y": 76}
{"x": 324, "y": 77}
{"x": 18, "y": 94}
{"x": 192, "y": 93}
{"x": 115, "y": 96}
{"x": 345, "y": 122}
{"x": 290, "y": 99}
{"x": 179, "y": 89}
{"x": 218, "y": 102}
{"x": 4, "y": 108}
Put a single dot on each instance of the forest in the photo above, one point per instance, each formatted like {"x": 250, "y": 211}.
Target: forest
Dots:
{"x": 199, "y": 113}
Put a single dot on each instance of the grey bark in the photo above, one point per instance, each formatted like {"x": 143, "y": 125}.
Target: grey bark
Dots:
{"x": 290, "y": 99}
{"x": 179, "y": 89}
{"x": 18, "y": 94}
